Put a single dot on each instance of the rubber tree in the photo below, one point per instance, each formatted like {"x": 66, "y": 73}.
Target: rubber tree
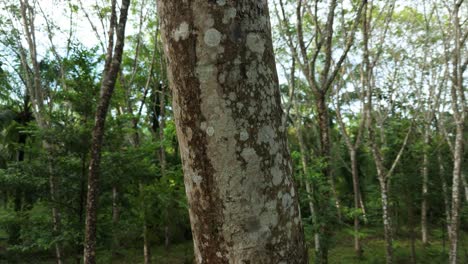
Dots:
{"x": 243, "y": 204}
{"x": 109, "y": 78}
{"x": 459, "y": 64}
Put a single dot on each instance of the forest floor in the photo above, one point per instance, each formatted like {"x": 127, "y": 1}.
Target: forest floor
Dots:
{"x": 341, "y": 252}
{"x": 373, "y": 245}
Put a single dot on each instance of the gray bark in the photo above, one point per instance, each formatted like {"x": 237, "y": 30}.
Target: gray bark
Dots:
{"x": 243, "y": 204}
{"x": 459, "y": 112}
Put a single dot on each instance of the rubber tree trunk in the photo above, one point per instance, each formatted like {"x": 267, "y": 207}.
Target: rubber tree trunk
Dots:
{"x": 308, "y": 185}
{"x": 465, "y": 185}
{"x": 444, "y": 190}
{"x": 386, "y": 222}
{"x": 323, "y": 123}
{"x": 357, "y": 202}
{"x": 110, "y": 73}
{"x": 456, "y": 199}
{"x": 425, "y": 193}
{"x": 243, "y": 205}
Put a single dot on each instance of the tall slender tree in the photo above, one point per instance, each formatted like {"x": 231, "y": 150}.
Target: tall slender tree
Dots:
{"x": 109, "y": 78}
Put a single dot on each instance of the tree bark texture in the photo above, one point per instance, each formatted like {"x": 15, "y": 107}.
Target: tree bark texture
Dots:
{"x": 243, "y": 204}
{"x": 110, "y": 73}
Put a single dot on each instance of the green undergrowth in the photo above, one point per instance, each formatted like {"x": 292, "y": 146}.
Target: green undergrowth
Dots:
{"x": 341, "y": 252}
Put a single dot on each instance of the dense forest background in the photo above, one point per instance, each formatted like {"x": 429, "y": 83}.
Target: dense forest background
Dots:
{"x": 374, "y": 100}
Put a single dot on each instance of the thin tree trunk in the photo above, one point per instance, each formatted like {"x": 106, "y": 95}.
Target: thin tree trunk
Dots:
{"x": 81, "y": 210}
{"x": 323, "y": 123}
{"x": 411, "y": 227}
{"x": 424, "y": 236}
{"x": 455, "y": 208}
{"x": 115, "y": 220}
{"x": 363, "y": 207}
{"x": 459, "y": 112}
{"x": 444, "y": 192}
{"x": 162, "y": 149}
{"x": 55, "y": 213}
{"x": 335, "y": 196}
{"x": 357, "y": 202}
{"x": 243, "y": 204}
{"x": 110, "y": 73}
{"x": 309, "y": 188}
{"x": 146, "y": 242}
{"x": 386, "y": 221}
{"x": 465, "y": 185}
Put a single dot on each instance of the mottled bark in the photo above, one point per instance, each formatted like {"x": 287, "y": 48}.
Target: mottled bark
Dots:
{"x": 386, "y": 218}
{"x": 459, "y": 109}
{"x": 456, "y": 199}
{"x": 110, "y": 73}
{"x": 238, "y": 176}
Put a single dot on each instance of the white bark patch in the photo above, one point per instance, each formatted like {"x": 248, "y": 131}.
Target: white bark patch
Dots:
{"x": 210, "y": 131}
{"x": 203, "y": 125}
{"x": 189, "y": 133}
{"x": 212, "y": 37}
{"x": 255, "y": 43}
{"x": 266, "y": 134}
{"x": 229, "y": 14}
{"x": 221, "y": 2}
{"x": 244, "y": 135}
{"x": 222, "y": 78}
{"x": 182, "y": 32}
{"x": 204, "y": 72}
{"x": 197, "y": 179}
{"x": 276, "y": 175}
{"x": 286, "y": 200}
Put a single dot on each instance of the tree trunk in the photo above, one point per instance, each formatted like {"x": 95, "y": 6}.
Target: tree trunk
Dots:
{"x": 444, "y": 190}
{"x": 386, "y": 221}
{"x": 162, "y": 149}
{"x": 110, "y": 72}
{"x": 411, "y": 225}
{"x": 459, "y": 108}
{"x": 243, "y": 204}
{"x": 115, "y": 220}
{"x": 55, "y": 213}
{"x": 357, "y": 200}
{"x": 323, "y": 122}
{"x": 465, "y": 185}
{"x": 455, "y": 213}
{"x": 425, "y": 180}
{"x": 146, "y": 244}
{"x": 309, "y": 187}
